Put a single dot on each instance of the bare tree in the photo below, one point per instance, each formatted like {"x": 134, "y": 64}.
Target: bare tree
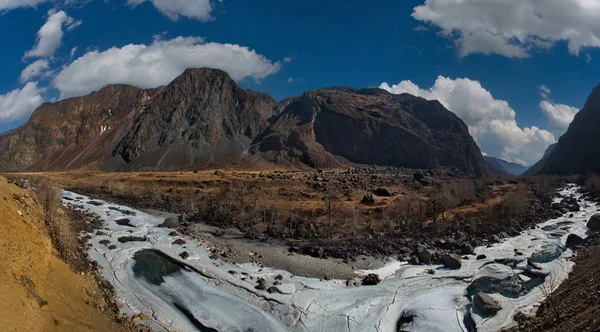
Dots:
{"x": 550, "y": 285}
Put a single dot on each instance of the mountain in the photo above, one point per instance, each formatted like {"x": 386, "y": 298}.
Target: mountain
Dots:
{"x": 506, "y": 166}
{"x": 369, "y": 126}
{"x": 537, "y": 167}
{"x": 577, "y": 151}
{"x": 203, "y": 118}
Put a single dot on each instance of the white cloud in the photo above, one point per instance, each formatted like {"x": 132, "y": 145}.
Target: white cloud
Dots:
{"x": 73, "y": 51}
{"x": 49, "y": 37}
{"x": 291, "y": 80}
{"x": 19, "y": 104}
{"x": 195, "y": 9}
{"x": 514, "y": 28}
{"x": 559, "y": 116}
{"x": 149, "y": 66}
{"x": 36, "y": 69}
{"x": 491, "y": 121}
{"x": 6, "y": 5}
{"x": 544, "y": 91}
{"x": 288, "y": 59}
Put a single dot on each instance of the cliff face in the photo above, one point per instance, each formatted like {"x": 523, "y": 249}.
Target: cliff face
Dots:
{"x": 577, "y": 151}
{"x": 369, "y": 126}
{"x": 204, "y": 118}
{"x": 201, "y": 118}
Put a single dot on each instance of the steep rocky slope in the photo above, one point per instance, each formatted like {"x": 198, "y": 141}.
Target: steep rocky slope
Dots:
{"x": 40, "y": 292}
{"x": 577, "y": 151}
{"x": 369, "y": 126}
{"x": 73, "y": 133}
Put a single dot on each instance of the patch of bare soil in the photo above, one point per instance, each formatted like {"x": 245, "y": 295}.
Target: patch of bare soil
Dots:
{"x": 575, "y": 305}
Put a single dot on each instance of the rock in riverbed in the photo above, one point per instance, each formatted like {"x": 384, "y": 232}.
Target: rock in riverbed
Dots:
{"x": 594, "y": 223}
{"x": 452, "y": 261}
{"x": 486, "y": 304}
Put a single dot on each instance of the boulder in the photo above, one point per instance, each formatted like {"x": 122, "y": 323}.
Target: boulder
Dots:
{"x": 383, "y": 192}
{"x": 371, "y": 279}
{"x": 370, "y": 199}
{"x": 452, "y": 261}
{"x": 424, "y": 255}
{"x": 574, "y": 240}
{"x": 184, "y": 255}
{"x": 486, "y": 304}
{"x": 480, "y": 257}
{"x": 594, "y": 223}
{"x": 170, "y": 223}
{"x": 468, "y": 249}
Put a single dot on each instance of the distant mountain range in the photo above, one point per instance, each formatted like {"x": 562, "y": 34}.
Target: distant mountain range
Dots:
{"x": 506, "y": 166}
{"x": 203, "y": 119}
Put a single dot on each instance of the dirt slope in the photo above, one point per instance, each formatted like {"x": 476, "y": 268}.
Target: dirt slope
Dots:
{"x": 38, "y": 291}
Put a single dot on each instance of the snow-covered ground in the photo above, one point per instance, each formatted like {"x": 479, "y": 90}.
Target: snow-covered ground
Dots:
{"x": 215, "y": 295}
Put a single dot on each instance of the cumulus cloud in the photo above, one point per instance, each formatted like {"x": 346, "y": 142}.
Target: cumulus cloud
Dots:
{"x": 149, "y": 66}
{"x": 36, "y": 69}
{"x": 6, "y": 5}
{"x": 19, "y": 104}
{"x": 491, "y": 121}
{"x": 195, "y": 9}
{"x": 49, "y": 37}
{"x": 559, "y": 116}
{"x": 514, "y": 28}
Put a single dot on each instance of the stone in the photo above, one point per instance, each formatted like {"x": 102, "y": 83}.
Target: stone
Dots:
{"x": 184, "y": 255}
{"x": 486, "y": 304}
{"x": 353, "y": 282}
{"x": 452, "y": 261}
{"x": 170, "y": 223}
{"x": 594, "y": 223}
{"x": 371, "y": 280}
{"x": 468, "y": 249}
{"x": 574, "y": 240}
{"x": 424, "y": 255}
{"x": 179, "y": 242}
{"x": 383, "y": 192}
{"x": 370, "y": 199}
{"x": 480, "y": 257}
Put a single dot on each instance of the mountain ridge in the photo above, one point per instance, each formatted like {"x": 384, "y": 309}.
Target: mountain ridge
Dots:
{"x": 204, "y": 118}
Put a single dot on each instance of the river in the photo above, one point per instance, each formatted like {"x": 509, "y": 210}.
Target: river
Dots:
{"x": 199, "y": 293}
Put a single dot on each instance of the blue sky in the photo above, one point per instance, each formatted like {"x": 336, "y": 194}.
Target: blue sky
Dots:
{"x": 484, "y": 62}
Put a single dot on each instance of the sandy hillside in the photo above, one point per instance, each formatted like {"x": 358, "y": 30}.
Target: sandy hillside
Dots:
{"x": 38, "y": 291}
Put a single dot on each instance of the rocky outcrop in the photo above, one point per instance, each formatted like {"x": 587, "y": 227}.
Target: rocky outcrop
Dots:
{"x": 327, "y": 127}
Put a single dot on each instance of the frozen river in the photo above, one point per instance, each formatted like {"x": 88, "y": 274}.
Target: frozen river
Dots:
{"x": 199, "y": 293}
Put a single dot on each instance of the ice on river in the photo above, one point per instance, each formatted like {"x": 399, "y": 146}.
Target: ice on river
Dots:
{"x": 200, "y": 293}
